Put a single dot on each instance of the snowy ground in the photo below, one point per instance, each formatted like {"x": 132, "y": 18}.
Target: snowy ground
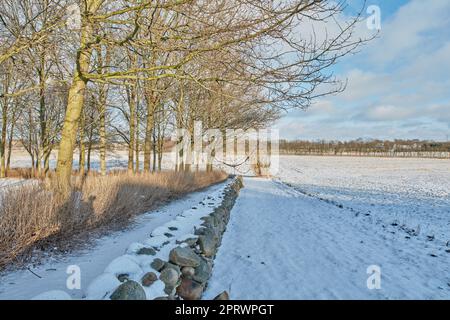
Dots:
{"x": 114, "y": 160}
{"x": 312, "y": 232}
{"x": 412, "y": 193}
{"x": 114, "y": 254}
{"x": 9, "y": 182}
{"x": 309, "y": 233}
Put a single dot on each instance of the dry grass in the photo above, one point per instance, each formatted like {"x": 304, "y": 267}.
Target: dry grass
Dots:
{"x": 35, "y": 215}
{"x": 24, "y": 173}
{"x": 261, "y": 168}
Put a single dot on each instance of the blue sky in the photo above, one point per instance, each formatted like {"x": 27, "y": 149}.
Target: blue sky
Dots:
{"x": 398, "y": 85}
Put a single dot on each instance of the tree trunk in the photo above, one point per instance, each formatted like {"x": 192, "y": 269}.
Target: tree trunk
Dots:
{"x": 132, "y": 144}
{"x": 42, "y": 122}
{"x": 102, "y": 109}
{"x": 4, "y": 128}
{"x": 82, "y": 160}
{"x": 89, "y": 150}
{"x": 148, "y": 129}
{"x": 102, "y": 132}
{"x": 132, "y": 95}
{"x": 137, "y": 149}
{"x": 3, "y": 141}
{"x": 154, "y": 147}
{"x": 148, "y": 142}
{"x": 10, "y": 140}
{"x": 75, "y": 100}
{"x": 47, "y": 160}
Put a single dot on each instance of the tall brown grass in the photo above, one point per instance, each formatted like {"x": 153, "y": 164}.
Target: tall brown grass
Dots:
{"x": 261, "y": 168}
{"x": 36, "y": 215}
{"x": 24, "y": 173}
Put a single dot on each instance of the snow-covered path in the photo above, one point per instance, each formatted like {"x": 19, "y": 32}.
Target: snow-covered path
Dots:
{"x": 23, "y": 284}
{"x": 282, "y": 244}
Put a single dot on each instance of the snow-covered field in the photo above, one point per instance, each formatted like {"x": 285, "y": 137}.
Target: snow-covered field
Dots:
{"x": 114, "y": 160}
{"x": 412, "y": 193}
{"x": 9, "y": 182}
{"x": 313, "y": 231}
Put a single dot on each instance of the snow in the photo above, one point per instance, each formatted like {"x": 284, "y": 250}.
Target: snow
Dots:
{"x": 126, "y": 264}
{"x": 413, "y": 193}
{"x": 160, "y": 231}
{"x": 156, "y": 242}
{"x": 53, "y": 295}
{"x": 102, "y": 286}
{"x": 114, "y": 254}
{"x": 115, "y": 159}
{"x": 11, "y": 183}
{"x": 311, "y": 232}
{"x": 289, "y": 237}
{"x": 135, "y": 266}
{"x": 7, "y": 182}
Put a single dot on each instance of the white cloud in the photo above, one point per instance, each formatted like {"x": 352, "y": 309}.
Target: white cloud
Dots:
{"x": 397, "y": 86}
{"x": 408, "y": 32}
{"x": 389, "y": 113}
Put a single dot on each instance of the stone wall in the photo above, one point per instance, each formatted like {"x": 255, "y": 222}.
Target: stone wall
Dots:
{"x": 188, "y": 268}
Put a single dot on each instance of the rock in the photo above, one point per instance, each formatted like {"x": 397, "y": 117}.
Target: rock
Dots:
{"x": 209, "y": 221}
{"x": 207, "y": 245}
{"x": 146, "y": 251}
{"x": 123, "y": 277}
{"x": 199, "y": 231}
{"x": 202, "y": 272}
{"x": 184, "y": 257}
{"x": 188, "y": 272}
{"x": 158, "y": 264}
{"x": 189, "y": 241}
{"x": 162, "y": 298}
{"x": 213, "y": 233}
{"x": 169, "y": 276}
{"x": 223, "y": 296}
{"x": 148, "y": 279}
{"x": 173, "y": 266}
{"x": 170, "y": 290}
{"x": 130, "y": 290}
{"x": 190, "y": 290}
{"x": 221, "y": 220}
{"x": 219, "y": 212}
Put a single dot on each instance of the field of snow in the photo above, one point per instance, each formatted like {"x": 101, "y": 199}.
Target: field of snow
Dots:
{"x": 313, "y": 231}
{"x": 114, "y": 160}
{"x": 10, "y": 182}
{"x": 283, "y": 244}
{"x": 411, "y": 194}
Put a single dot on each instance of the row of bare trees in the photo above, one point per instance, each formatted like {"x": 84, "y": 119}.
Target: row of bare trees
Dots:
{"x": 360, "y": 147}
{"x": 86, "y": 73}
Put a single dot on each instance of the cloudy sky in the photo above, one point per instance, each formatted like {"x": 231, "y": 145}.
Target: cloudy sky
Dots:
{"x": 398, "y": 85}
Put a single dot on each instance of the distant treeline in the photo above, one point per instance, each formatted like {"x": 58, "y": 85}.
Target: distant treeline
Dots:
{"x": 375, "y": 148}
